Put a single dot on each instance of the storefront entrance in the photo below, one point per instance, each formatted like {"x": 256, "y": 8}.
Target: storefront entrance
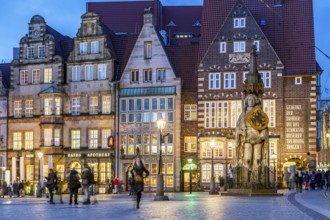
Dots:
{"x": 186, "y": 177}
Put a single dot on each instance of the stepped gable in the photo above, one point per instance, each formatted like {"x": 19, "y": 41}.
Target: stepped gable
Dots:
{"x": 184, "y": 61}
{"x": 290, "y": 34}
{"x": 5, "y": 70}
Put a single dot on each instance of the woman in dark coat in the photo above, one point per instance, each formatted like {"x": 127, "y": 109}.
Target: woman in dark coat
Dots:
{"x": 138, "y": 184}
{"x": 74, "y": 185}
{"x": 51, "y": 183}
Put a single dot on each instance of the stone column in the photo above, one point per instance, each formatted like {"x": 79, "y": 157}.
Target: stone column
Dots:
{"x": 21, "y": 168}
{"x": 13, "y": 169}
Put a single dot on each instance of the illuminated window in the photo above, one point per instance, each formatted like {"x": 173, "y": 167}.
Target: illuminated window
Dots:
{"x": 75, "y": 139}
{"x": 106, "y": 133}
{"x": 190, "y": 112}
{"x": 60, "y": 171}
{"x": 48, "y": 135}
{"x": 154, "y": 143}
{"x": 230, "y": 150}
{"x": 154, "y": 169}
{"x": 169, "y": 181}
{"x": 123, "y": 143}
{"x": 146, "y": 144}
{"x": 57, "y": 137}
{"x": 235, "y": 112}
{"x": 269, "y": 108}
{"x": 48, "y": 75}
{"x": 29, "y": 173}
{"x": 190, "y": 144}
{"x": 216, "y": 114}
{"x": 105, "y": 172}
{"x": 28, "y": 145}
{"x": 17, "y": 140}
{"x": 18, "y": 108}
{"x": 57, "y": 106}
{"x": 169, "y": 169}
{"x": 28, "y": 108}
{"x": 106, "y": 104}
{"x": 93, "y": 105}
{"x": 131, "y": 145}
{"x": 93, "y": 138}
{"x": 153, "y": 181}
{"x": 169, "y": 144}
{"x": 48, "y": 104}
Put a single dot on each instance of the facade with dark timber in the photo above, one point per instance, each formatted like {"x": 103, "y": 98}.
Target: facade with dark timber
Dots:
{"x": 189, "y": 63}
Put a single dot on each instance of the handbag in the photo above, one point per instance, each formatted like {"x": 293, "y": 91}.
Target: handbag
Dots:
{"x": 138, "y": 179}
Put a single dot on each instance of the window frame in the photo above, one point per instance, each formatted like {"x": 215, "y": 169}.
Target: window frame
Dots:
{"x": 147, "y": 75}
{"x": 89, "y": 72}
{"x": 239, "y": 22}
{"x": 30, "y": 53}
{"x": 239, "y": 46}
{"x": 24, "y": 77}
{"x": 230, "y": 81}
{"x": 76, "y": 73}
{"x": 214, "y": 79}
{"x": 75, "y": 139}
{"x": 95, "y": 47}
{"x": 102, "y": 71}
{"x": 297, "y": 79}
{"x": 190, "y": 109}
{"x": 48, "y": 75}
{"x": 36, "y": 76}
{"x": 40, "y": 53}
{"x": 147, "y": 49}
{"x": 223, "y": 47}
{"x": 83, "y": 47}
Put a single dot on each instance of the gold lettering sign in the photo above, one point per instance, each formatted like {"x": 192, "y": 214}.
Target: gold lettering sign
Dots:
{"x": 257, "y": 118}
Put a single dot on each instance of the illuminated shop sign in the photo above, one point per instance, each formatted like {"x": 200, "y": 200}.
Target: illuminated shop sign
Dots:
{"x": 89, "y": 155}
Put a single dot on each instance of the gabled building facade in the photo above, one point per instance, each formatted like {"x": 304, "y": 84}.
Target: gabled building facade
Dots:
{"x": 90, "y": 103}
{"x": 34, "y": 104}
{"x": 150, "y": 89}
{"x": 290, "y": 92}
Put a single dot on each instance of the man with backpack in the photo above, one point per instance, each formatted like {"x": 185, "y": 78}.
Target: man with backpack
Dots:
{"x": 87, "y": 179}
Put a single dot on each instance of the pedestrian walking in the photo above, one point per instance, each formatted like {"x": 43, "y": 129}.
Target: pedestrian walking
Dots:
{"x": 322, "y": 179}
{"x": 74, "y": 185}
{"x": 15, "y": 191}
{"x": 306, "y": 179}
{"x": 137, "y": 173}
{"x": 313, "y": 180}
{"x": 116, "y": 184}
{"x": 20, "y": 189}
{"x": 87, "y": 180}
{"x": 51, "y": 184}
{"x": 130, "y": 183}
{"x": 300, "y": 180}
{"x": 327, "y": 178}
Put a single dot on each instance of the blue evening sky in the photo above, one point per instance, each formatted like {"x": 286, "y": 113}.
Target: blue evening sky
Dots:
{"x": 64, "y": 16}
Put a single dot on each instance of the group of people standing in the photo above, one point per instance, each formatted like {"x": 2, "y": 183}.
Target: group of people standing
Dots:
{"x": 314, "y": 180}
{"x": 72, "y": 177}
{"x": 16, "y": 189}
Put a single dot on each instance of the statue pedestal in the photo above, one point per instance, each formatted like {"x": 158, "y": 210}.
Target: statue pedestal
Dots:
{"x": 251, "y": 192}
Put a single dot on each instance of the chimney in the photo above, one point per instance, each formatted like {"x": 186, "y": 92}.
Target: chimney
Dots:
{"x": 148, "y": 17}
{"x": 157, "y": 14}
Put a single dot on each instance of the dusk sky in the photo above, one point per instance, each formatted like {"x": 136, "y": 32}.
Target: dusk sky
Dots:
{"x": 64, "y": 16}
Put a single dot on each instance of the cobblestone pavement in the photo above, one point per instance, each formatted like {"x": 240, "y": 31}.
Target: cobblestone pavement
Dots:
{"x": 181, "y": 206}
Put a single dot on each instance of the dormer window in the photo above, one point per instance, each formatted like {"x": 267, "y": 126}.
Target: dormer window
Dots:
{"x": 30, "y": 53}
{"x": 147, "y": 50}
{"x": 239, "y": 22}
{"x": 84, "y": 48}
{"x": 95, "y": 47}
{"x": 41, "y": 52}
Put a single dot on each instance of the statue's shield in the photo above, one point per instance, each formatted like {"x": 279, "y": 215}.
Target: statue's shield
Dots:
{"x": 257, "y": 118}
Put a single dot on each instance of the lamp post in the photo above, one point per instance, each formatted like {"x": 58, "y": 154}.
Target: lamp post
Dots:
{"x": 212, "y": 145}
{"x": 39, "y": 191}
{"x": 190, "y": 180}
{"x": 160, "y": 179}
{"x": 274, "y": 160}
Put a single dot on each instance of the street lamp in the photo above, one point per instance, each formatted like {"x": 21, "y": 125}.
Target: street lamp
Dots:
{"x": 274, "y": 160}
{"x": 160, "y": 179}
{"x": 212, "y": 145}
{"x": 190, "y": 181}
{"x": 39, "y": 191}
